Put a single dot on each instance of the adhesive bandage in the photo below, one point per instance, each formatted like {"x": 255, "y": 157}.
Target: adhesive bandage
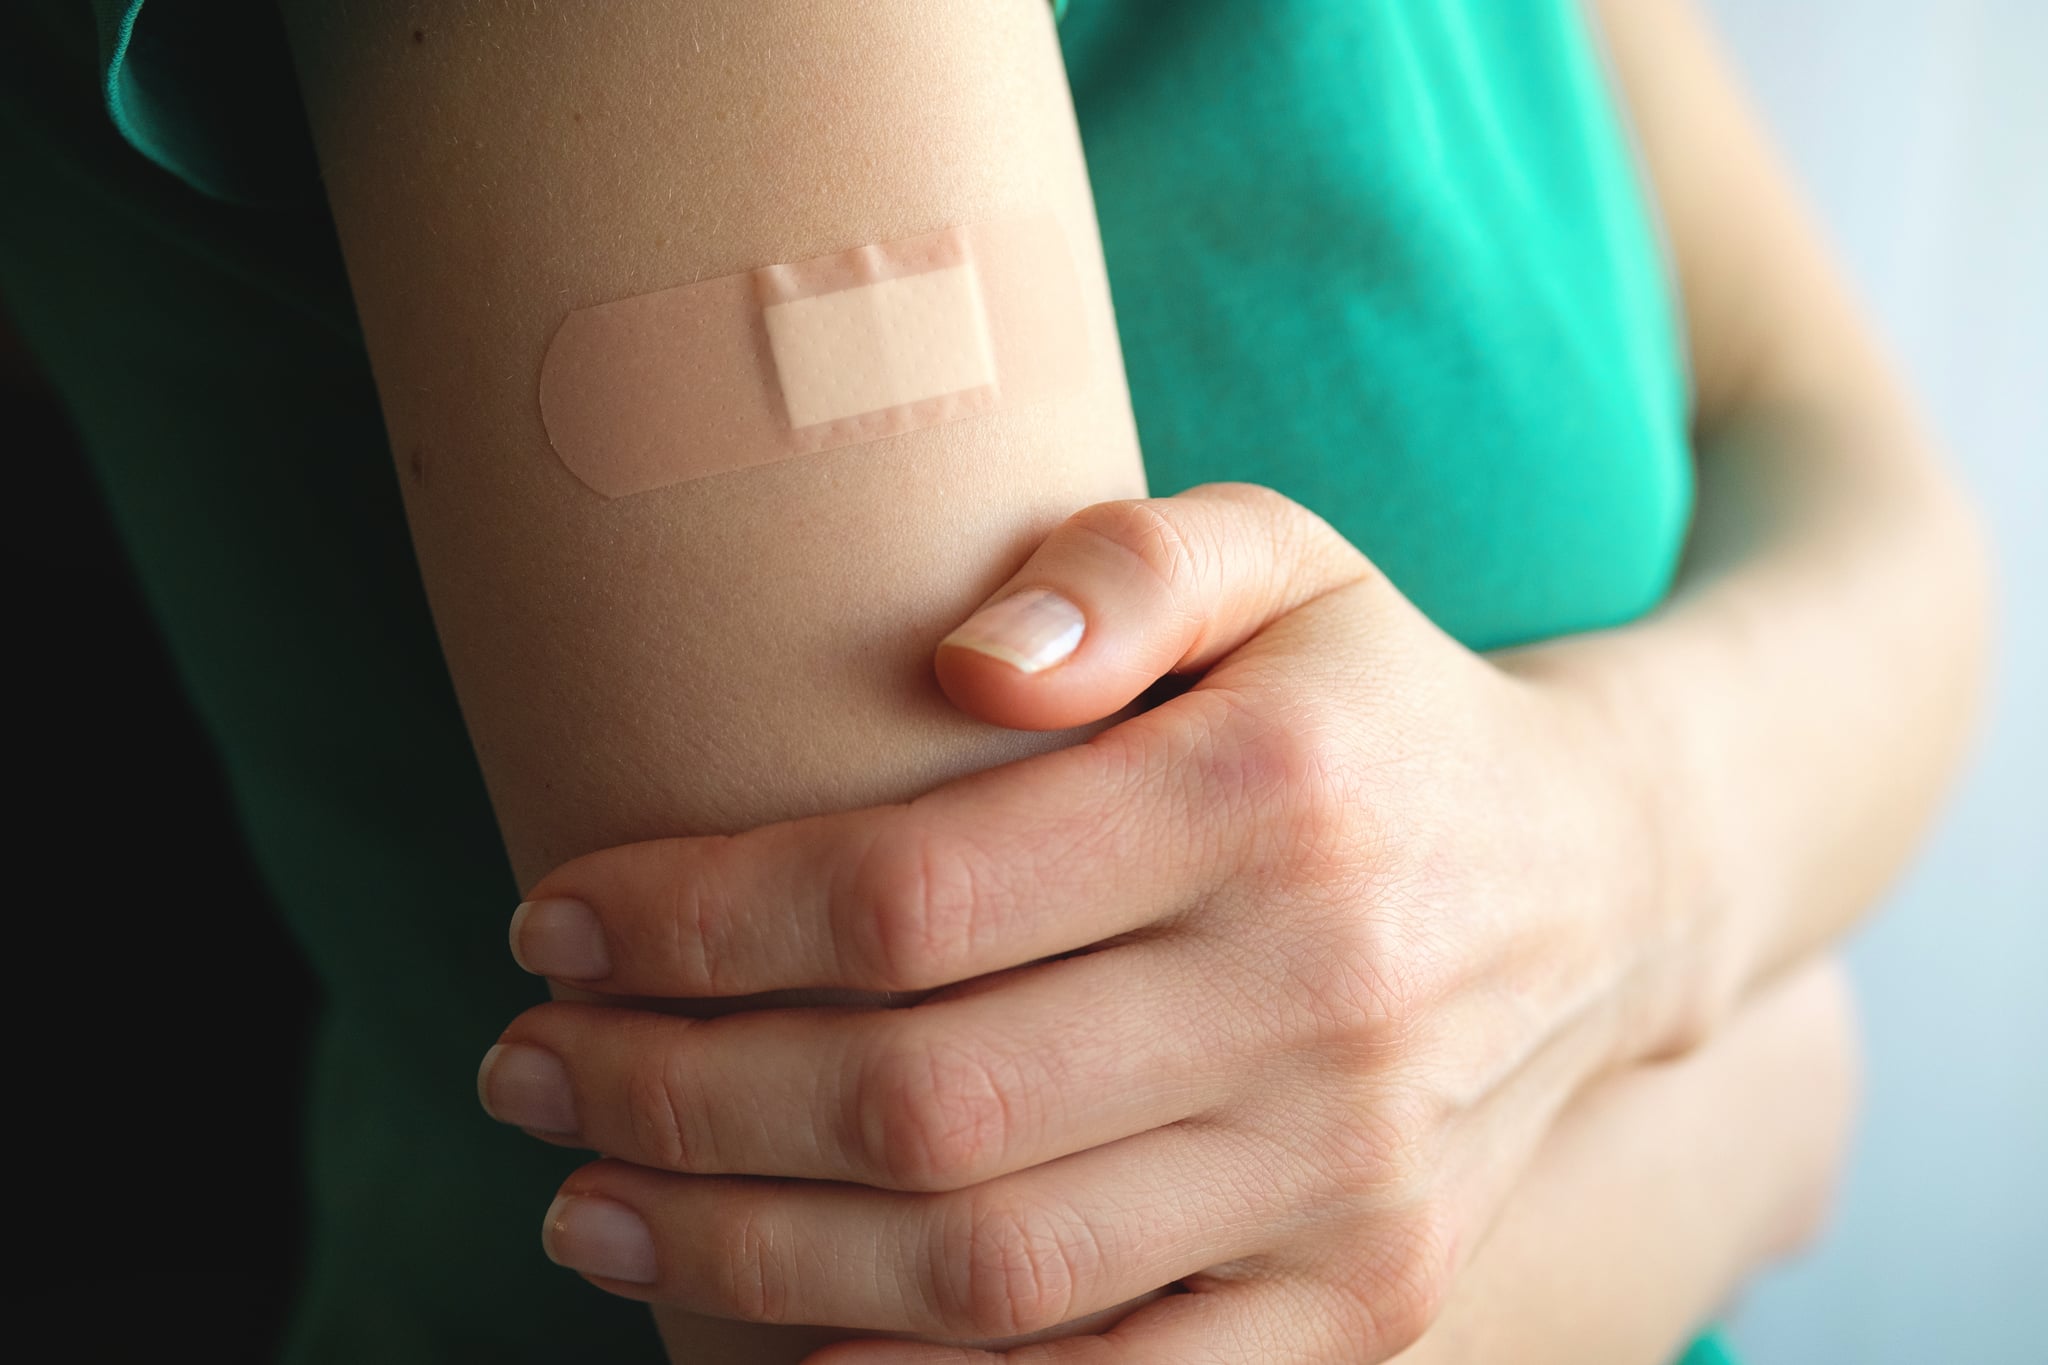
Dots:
{"x": 752, "y": 368}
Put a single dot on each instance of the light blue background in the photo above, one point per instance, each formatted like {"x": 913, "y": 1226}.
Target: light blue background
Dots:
{"x": 1920, "y": 130}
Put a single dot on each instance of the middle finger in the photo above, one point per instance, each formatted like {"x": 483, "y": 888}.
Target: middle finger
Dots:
{"x": 1007, "y": 1073}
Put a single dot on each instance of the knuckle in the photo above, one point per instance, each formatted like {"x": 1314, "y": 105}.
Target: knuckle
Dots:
{"x": 696, "y": 925}
{"x": 1013, "y": 1267}
{"x": 1298, "y": 539}
{"x": 1139, "y": 528}
{"x": 1290, "y": 524}
{"x": 1368, "y": 965}
{"x": 1306, "y": 540}
{"x": 752, "y": 1283}
{"x": 1404, "y": 1291}
{"x": 656, "y": 1097}
{"x": 1295, "y": 767}
{"x": 915, "y": 903}
{"x": 1373, "y": 986}
{"x": 934, "y": 1116}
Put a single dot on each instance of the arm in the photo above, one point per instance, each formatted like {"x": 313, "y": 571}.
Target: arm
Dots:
{"x": 742, "y": 648}
{"x": 1795, "y": 710}
{"x": 735, "y": 649}
{"x": 1660, "y": 1189}
{"x": 1355, "y": 985}
{"x": 1794, "y": 713}
{"x": 1415, "y": 986}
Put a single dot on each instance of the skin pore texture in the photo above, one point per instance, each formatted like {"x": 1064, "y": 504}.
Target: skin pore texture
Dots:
{"x": 748, "y": 648}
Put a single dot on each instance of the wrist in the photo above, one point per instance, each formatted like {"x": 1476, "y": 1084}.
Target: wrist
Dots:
{"x": 1675, "y": 901}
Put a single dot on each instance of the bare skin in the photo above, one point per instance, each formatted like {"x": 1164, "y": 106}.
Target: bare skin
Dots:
{"x": 741, "y": 649}
{"x": 1660, "y": 1189}
{"x": 1725, "y": 785}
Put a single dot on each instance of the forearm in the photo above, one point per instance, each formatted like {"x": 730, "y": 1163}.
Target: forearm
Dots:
{"x": 1659, "y": 1189}
{"x": 1792, "y": 716}
{"x": 1787, "y": 721}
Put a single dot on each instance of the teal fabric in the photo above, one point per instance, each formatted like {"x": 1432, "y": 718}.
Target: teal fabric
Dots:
{"x": 1392, "y": 259}
{"x": 1712, "y": 1349}
{"x": 175, "y": 79}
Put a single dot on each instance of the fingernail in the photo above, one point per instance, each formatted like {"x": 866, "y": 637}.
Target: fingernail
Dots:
{"x": 560, "y": 938}
{"x": 527, "y": 1087}
{"x": 1030, "y": 630}
{"x": 600, "y": 1237}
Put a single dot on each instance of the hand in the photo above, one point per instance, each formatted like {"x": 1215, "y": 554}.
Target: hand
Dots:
{"x": 1269, "y": 990}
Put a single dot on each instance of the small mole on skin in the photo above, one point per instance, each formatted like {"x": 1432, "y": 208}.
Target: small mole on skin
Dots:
{"x": 419, "y": 35}
{"x": 416, "y": 462}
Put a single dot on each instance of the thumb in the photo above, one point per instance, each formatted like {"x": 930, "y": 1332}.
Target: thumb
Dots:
{"x": 1123, "y": 593}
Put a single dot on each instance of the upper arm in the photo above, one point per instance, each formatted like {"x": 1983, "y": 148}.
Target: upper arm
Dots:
{"x": 732, "y": 649}
{"x": 1767, "y": 315}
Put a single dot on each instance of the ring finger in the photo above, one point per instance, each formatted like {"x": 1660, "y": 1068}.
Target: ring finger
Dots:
{"x": 987, "y": 1079}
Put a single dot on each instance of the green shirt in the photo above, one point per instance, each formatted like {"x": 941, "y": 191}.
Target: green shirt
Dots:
{"x": 1393, "y": 259}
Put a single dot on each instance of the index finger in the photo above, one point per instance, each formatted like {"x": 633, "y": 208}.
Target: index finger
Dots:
{"x": 1036, "y": 858}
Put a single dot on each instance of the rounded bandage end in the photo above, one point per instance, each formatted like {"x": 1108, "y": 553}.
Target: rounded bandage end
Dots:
{"x": 790, "y": 359}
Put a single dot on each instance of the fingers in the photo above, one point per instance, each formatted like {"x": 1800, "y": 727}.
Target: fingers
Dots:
{"x": 1030, "y": 860}
{"x": 941, "y": 1096}
{"x": 1003, "y": 1259}
{"x": 1217, "y": 1323}
{"x": 1034, "y": 859}
{"x": 1123, "y": 593}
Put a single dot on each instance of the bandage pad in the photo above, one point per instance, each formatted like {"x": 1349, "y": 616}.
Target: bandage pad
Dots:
{"x": 787, "y": 360}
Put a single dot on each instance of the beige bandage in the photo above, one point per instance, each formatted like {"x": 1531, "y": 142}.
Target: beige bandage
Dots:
{"x": 752, "y": 368}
